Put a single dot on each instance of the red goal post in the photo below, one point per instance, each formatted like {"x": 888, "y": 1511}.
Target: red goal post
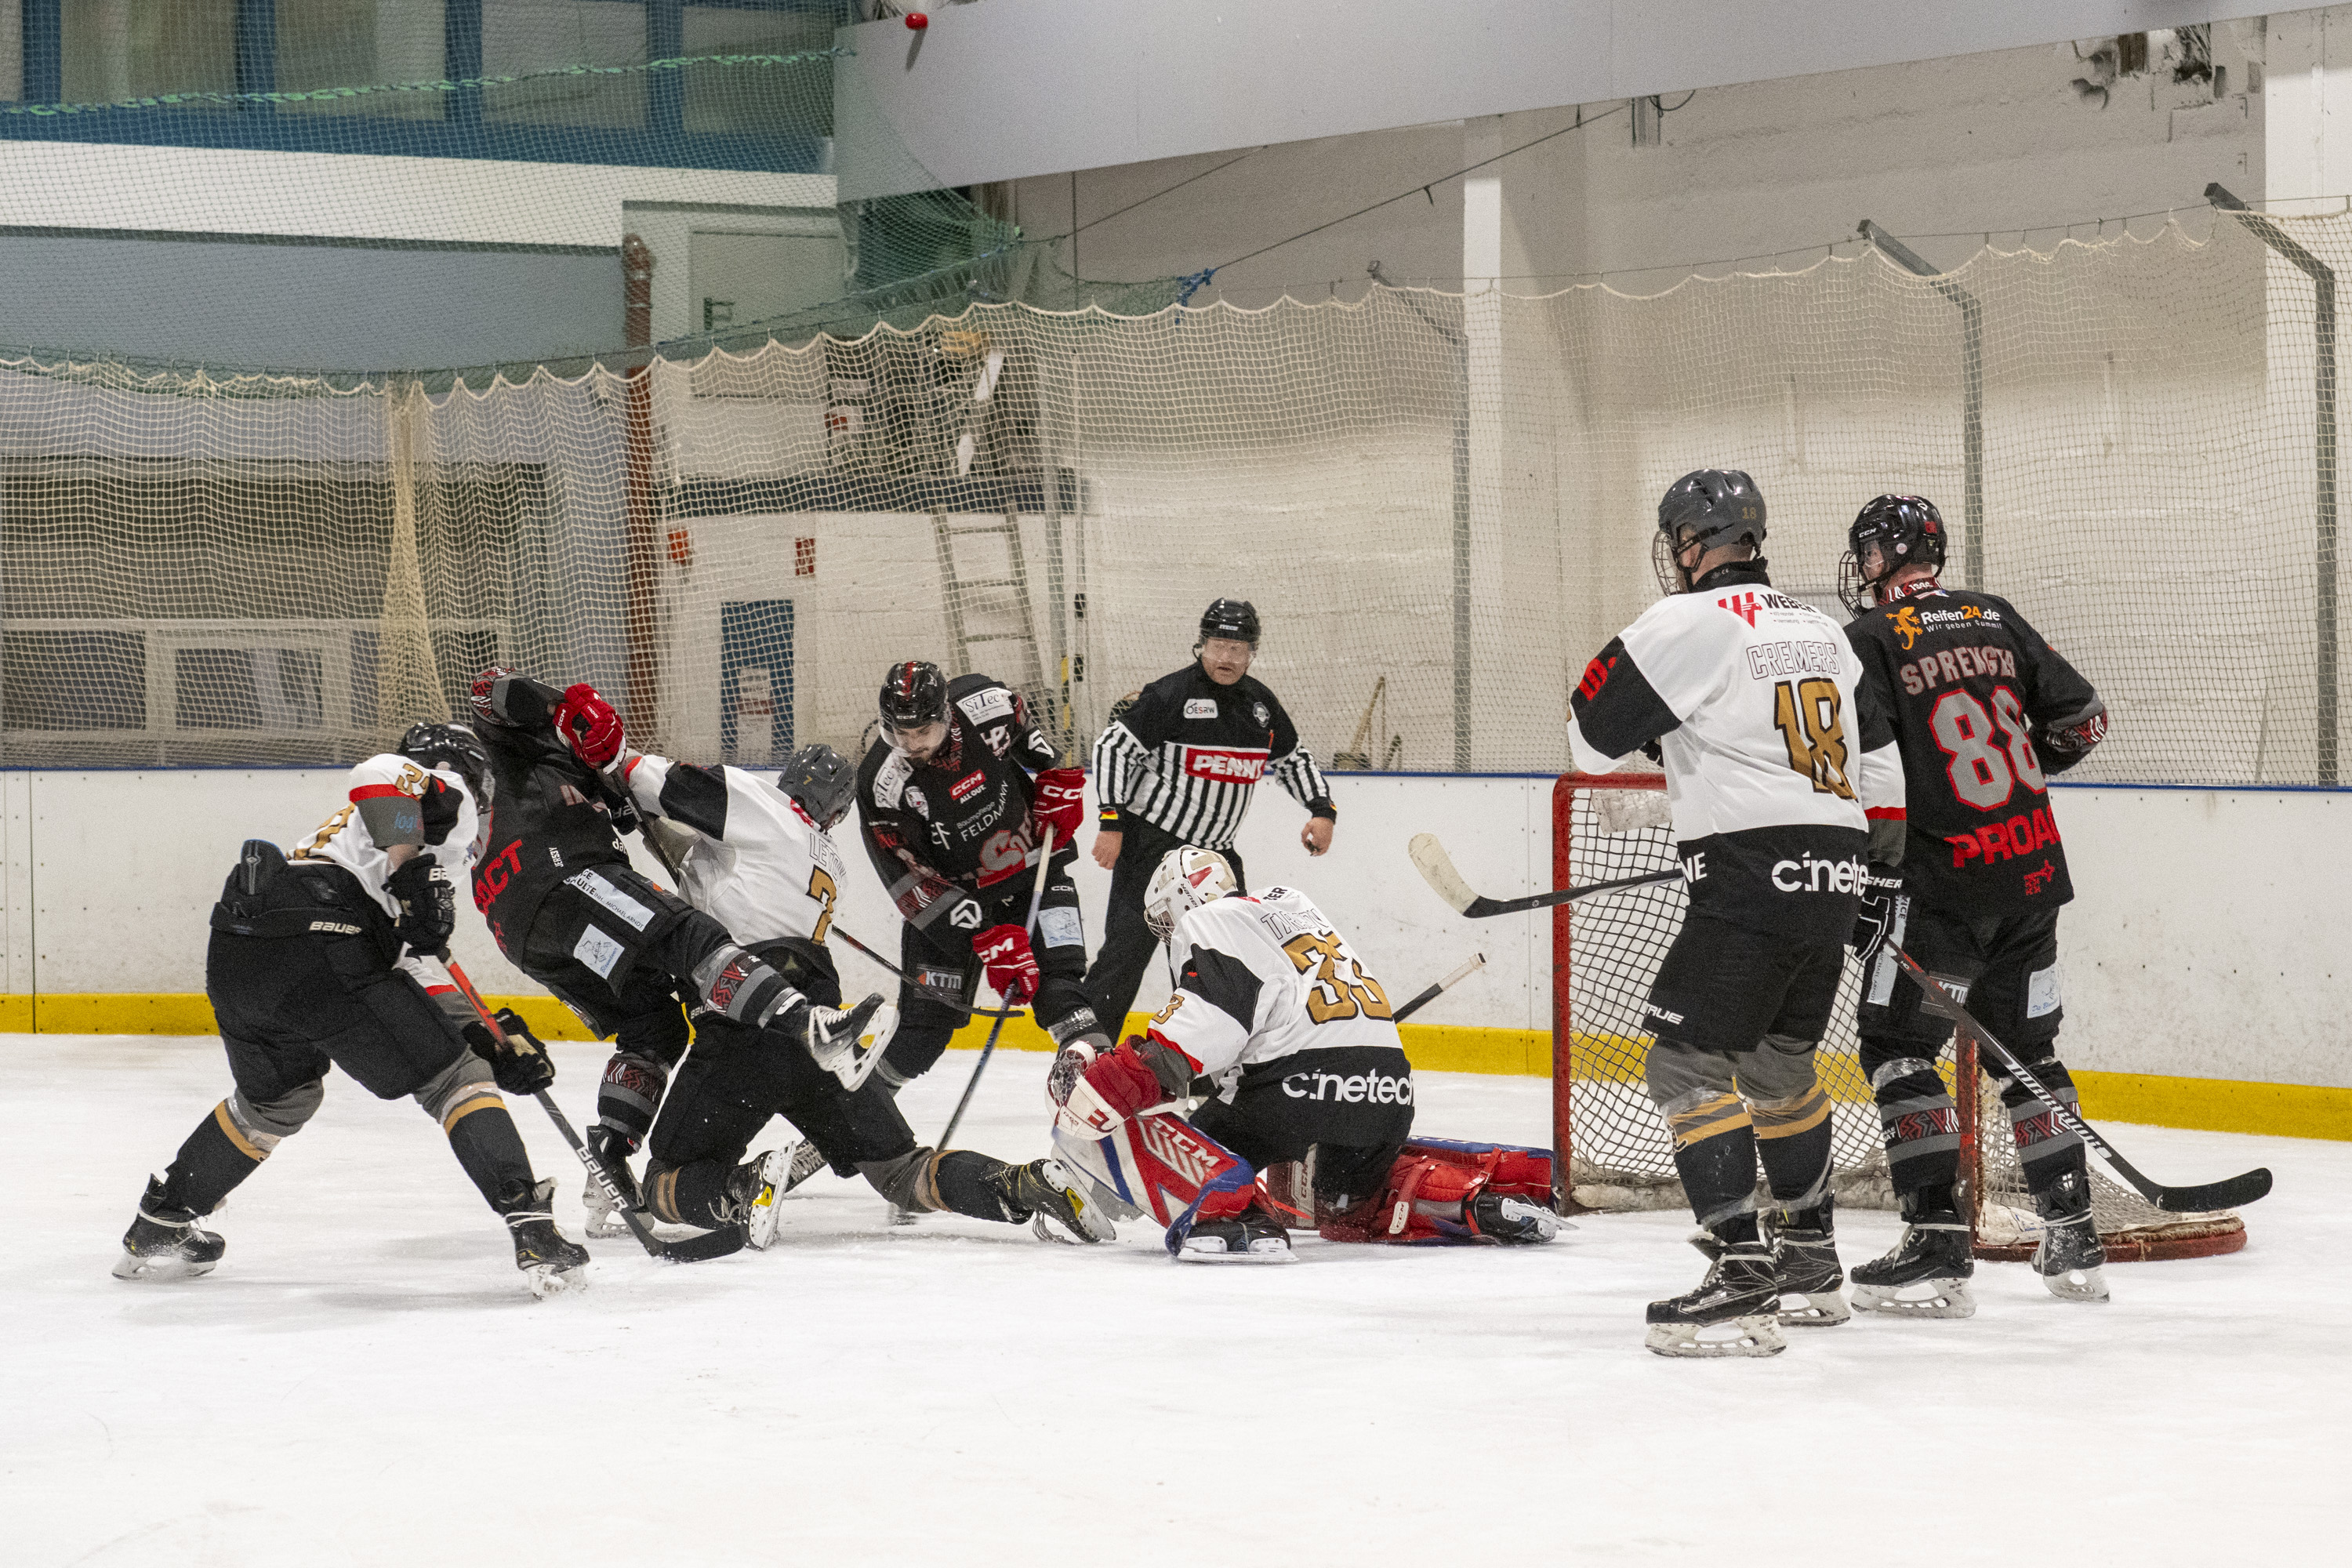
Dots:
{"x": 1612, "y": 1150}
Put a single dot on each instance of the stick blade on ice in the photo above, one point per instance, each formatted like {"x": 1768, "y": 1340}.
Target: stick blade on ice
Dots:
{"x": 1436, "y": 868}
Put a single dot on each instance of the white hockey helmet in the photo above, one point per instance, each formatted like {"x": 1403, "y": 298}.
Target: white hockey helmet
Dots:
{"x": 1187, "y": 878}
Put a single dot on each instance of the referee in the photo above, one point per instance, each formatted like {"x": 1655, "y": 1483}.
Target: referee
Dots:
{"x": 1176, "y": 767}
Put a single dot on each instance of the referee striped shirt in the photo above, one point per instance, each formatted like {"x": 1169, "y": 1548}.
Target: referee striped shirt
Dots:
{"x": 1184, "y": 755}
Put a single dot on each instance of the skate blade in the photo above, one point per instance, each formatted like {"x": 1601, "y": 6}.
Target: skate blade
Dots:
{"x": 1758, "y": 1336}
{"x": 898, "y": 1217}
{"x": 1086, "y": 1221}
{"x": 606, "y": 1226}
{"x": 1212, "y": 1249}
{"x": 766, "y": 1213}
{"x": 1945, "y": 1298}
{"x": 160, "y": 1270}
{"x": 2083, "y": 1285}
{"x": 1821, "y": 1310}
{"x": 546, "y": 1279}
{"x": 805, "y": 1162}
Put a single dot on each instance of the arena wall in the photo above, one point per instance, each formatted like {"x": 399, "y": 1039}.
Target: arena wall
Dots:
{"x": 2205, "y": 986}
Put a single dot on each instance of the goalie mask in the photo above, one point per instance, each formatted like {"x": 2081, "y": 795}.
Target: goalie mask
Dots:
{"x": 1187, "y": 878}
{"x": 1900, "y": 531}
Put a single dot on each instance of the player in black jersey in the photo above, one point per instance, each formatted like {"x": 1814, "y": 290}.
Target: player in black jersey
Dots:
{"x": 1985, "y": 711}
{"x": 956, "y": 792}
{"x": 568, "y": 909}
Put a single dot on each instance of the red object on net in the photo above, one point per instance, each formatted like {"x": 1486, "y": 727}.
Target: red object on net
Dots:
{"x": 917, "y": 21}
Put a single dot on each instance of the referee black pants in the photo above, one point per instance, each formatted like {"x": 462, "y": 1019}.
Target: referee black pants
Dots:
{"x": 1128, "y": 948}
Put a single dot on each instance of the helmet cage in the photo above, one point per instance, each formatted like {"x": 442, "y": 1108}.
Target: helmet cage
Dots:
{"x": 1908, "y": 531}
{"x": 1187, "y": 878}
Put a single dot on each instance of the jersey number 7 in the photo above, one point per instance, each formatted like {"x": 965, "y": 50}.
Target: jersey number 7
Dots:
{"x": 1807, "y": 714}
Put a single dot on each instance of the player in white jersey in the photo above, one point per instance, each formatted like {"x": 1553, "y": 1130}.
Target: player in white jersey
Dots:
{"x": 324, "y": 958}
{"x": 752, "y": 851}
{"x": 1781, "y": 788}
{"x": 1275, "y": 1009}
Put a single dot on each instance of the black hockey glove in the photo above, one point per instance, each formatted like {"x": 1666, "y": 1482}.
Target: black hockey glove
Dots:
{"x": 429, "y": 905}
{"x": 2063, "y": 745}
{"x": 1875, "y": 918}
{"x": 438, "y": 811}
{"x": 520, "y": 1064}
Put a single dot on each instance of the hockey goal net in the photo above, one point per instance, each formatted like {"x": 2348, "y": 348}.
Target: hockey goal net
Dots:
{"x": 1616, "y": 1154}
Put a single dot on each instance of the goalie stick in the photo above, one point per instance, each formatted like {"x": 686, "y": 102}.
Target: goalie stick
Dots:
{"x": 1028, "y": 928}
{"x": 1436, "y": 868}
{"x": 2234, "y": 1192}
{"x": 694, "y": 1249}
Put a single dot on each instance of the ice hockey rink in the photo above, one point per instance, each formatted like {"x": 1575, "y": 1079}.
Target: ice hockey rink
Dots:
{"x": 363, "y": 1381}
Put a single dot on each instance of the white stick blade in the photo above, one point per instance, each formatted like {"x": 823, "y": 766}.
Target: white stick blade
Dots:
{"x": 1436, "y": 868}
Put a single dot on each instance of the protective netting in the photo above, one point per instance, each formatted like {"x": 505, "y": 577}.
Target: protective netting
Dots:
{"x": 1444, "y": 500}
{"x": 1620, "y": 1156}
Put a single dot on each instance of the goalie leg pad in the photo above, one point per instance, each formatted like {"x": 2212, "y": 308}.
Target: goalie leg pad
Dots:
{"x": 1432, "y": 1186}
{"x": 1162, "y": 1167}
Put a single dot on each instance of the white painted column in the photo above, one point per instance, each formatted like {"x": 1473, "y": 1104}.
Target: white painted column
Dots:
{"x": 1477, "y": 512}
{"x": 16, "y": 883}
{"x": 2307, "y": 112}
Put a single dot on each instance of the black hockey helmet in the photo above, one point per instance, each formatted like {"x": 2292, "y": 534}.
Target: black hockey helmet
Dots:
{"x": 822, "y": 781}
{"x": 1714, "y": 506}
{"x": 1908, "y": 531}
{"x": 455, "y": 747}
{"x": 1234, "y": 618}
{"x": 913, "y": 694}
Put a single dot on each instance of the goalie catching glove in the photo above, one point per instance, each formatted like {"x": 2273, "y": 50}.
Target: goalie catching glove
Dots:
{"x": 518, "y": 1063}
{"x": 1093, "y": 1093}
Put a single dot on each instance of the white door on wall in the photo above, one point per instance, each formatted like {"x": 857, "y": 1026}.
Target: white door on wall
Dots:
{"x": 738, "y": 277}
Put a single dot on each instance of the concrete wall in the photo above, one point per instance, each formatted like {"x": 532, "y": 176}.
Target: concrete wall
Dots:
{"x": 2196, "y": 948}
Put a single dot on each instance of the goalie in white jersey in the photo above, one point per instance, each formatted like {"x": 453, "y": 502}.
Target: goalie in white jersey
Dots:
{"x": 1780, "y": 786}
{"x": 1273, "y": 1007}
{"x": 752, "y": 851}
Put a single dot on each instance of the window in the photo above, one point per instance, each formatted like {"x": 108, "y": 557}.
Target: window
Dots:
{"x": 116, "y": 49}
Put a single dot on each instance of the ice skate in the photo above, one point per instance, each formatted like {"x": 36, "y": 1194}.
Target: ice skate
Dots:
{"x": 1739, "y": 1298}
{"x": 806, "y": 1160}
{"x": 752, "y": 1189}
{"x": 832, "y": 1034}
{"x": 2071, "y": 1258}
{"x": 550, "y": 1262}
{"x": 164, "y": 1242}
{"x": 1926, "y": 1273}
{"x": 1804, "y": 1256}
{"x": 1046, "y": 1193}
{"x": 612, "y": 1151}
{"x": 1253, "y": 1236}
{"x": 1514, "y": 1222}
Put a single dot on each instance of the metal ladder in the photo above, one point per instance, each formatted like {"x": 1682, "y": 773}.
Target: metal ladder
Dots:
{"x": 1005, "y": 610}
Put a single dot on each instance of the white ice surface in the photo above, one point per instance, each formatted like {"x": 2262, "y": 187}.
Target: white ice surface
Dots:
{"x": 366, "y": 1380}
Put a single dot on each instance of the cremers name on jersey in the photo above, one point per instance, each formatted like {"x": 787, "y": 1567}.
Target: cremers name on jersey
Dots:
{"x": 1262, "y": 978}
{"x": 1969, "y": 682}
{"x": 1773, "y": 764}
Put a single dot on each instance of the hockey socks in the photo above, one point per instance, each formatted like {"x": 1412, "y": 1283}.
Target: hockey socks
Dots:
{"x": 1793, "y": 1138}
{"x": 482, "y": 1135}
{"x": 1919, "y": 1124}
{"x": 2047, "y": 1154}
{"x": 1714, "y": 1155}
{"x": 212, "y": 1162}
{"x": 630, "y": 1095}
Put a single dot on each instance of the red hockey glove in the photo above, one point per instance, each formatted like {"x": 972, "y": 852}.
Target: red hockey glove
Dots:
{"x": 1060, "y": 802}
{"x": 1114, "y": 1088}
{"x": 1012, "y": 967}
{"x": 588, "y": 725}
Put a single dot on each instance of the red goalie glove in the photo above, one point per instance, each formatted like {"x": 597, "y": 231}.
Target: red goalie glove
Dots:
{"x": 588, "y": 725}
{"x": 1060, "y": 802}
{"x": 1012, "y": 967}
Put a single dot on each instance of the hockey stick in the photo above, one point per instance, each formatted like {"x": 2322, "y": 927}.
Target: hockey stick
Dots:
{"x": 2234, "y": 1192}
{"x": 1476, "y": 962}
{"x": 695, "y": 1249}
{"x": 933, "y": 992}
{"x": 1436, "y": 868}
{"x": 1036, "y": 896}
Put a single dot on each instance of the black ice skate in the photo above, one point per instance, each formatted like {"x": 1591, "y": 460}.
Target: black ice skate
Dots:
{"x": 611, "y": 1149}
{"x": 1804, "y": 1255}
{"x": 1252, "y": 1237}
{"x": 752, "y": 1189}
{"x": 551, "y": 1263}
{"x": 2071, "y": 1258}
{"x": 1515, "y": 1222}
{"x": 1740, "y": 1295}
{"x": 164, "y": 1242}
{"x": 1927, "y": 1274}
{"x": 1044, "y": 1191}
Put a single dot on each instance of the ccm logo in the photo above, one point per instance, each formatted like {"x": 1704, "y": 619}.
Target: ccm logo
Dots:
{"x": 971, "y": 785}
{"x": 1234, "y": 766}
{"x": 1376, "y": 1089}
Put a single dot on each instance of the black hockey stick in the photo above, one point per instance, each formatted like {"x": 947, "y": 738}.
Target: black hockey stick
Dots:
{"x": 1470, "y": 966}
{"x": 2234, "y": 1192}
{"x": 941, "y": 998}
{"x": 1436, "y": 868}
{"x": 695, "y": 1249}
{"x": 1036, "y": 896}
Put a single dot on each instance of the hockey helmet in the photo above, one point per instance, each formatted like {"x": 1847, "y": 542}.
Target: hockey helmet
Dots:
{"x": 455, "y": 747}
{"x": 1187, "y": 878}
{"x": 914, "y": 694}
{"x": 1234, "y": 618}
{"x": 1715, "y": 507}
{"x": 822, "y": 781}
{"x": 1908, "y": 531}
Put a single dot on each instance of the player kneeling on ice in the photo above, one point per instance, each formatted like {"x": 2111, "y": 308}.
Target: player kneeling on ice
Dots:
{"x": 752, "y": 851}
{"x": 1273, "y": 1007}
{"x": 332, "y": 955}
